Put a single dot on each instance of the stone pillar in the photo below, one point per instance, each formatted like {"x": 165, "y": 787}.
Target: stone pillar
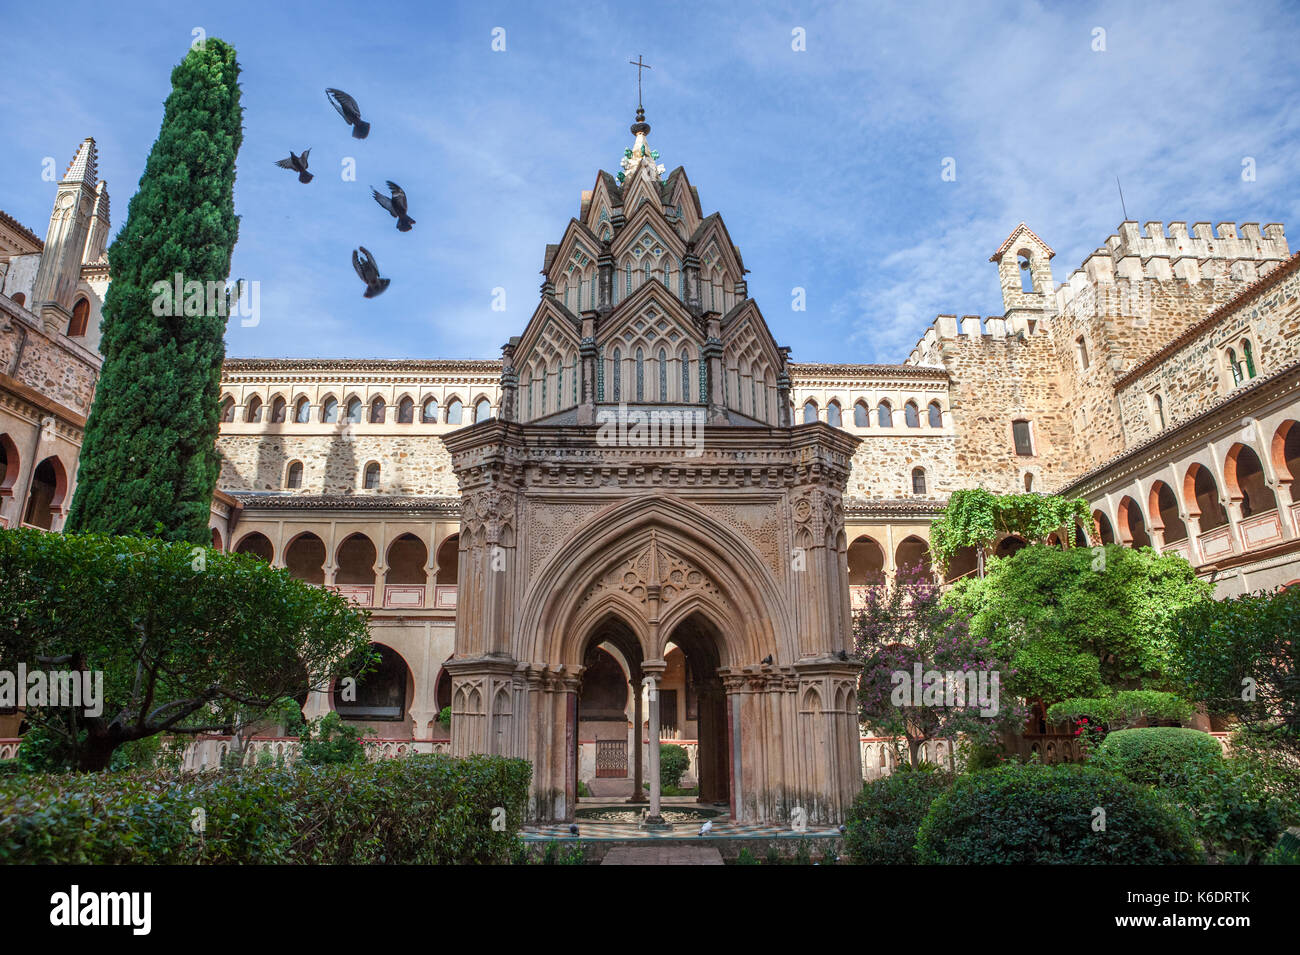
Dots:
{"x": 587, "y": 358}
{"x": 638, "y": 735}
{"x": 691, "y": 271}
{"x": 1282, "y": 491}
{"x": 605, "y": 280}
{"x": 509, "y": 382}
{"x": 653, "y": 671}
{"x": 783, "y": 417}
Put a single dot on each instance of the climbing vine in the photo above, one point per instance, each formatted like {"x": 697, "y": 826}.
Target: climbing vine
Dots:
{"x": 975, "y": 518}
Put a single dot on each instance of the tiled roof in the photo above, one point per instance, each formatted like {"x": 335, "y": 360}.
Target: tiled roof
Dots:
{"x": 22, "y": 230}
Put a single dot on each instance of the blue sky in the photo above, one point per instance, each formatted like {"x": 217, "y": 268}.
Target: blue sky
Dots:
{"x": 825, "y": 163}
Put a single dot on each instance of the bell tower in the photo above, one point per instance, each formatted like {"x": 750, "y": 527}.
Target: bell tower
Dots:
{"x": 65, "y": 243}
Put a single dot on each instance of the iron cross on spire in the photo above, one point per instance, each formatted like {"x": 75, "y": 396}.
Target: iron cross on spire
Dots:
{"x": 639, "y": 67}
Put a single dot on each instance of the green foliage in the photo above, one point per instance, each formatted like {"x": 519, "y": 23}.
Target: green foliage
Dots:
{"x": 186, "y": 641}
{"x": 673, "y": 763}
{"x": 1241, "y": 657}
{"x": 1027, "y": 814}
{"x": 328, "y": 739}
{"x": 1124, "y": 709}
{"x": 1287, "y": 850}
{"x": 886, "y": 814}
{"x": 149, "y": 461}
{"x": 745, "y": 857}
{"x": 1238, "y": 805}
{"x": 975, "y": 518}
{"x": 1235, "y": 808}
{"x": 416, "y": 810}
{"x": 444, "y": 716}
{"x": 1075, "y": 623}
{"x": 1157, "y": 756}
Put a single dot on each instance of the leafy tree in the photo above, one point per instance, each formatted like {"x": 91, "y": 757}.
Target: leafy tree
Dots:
{"x": 1081, "y": 622}
{"x": 149, "y": 462}
{"x": 1241, "y": 656}
{"x": 327, "y": 739}
{"x": 187, "y": 639}
{"x": 975, "y": 517}
{"x": 673, "y": 763}
{"x": 905, "y": 629}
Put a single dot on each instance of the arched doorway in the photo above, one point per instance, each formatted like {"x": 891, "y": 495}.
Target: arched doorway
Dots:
{"x": 48, "y": 491}
{"x": 701, "y": 707}
{"x": 609, "y": 725}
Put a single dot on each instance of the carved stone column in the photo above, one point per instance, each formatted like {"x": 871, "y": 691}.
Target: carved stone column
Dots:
{"x": 587, "y": 357}
{"x": 509, "y": 381}
{"x": 654, "y": 670}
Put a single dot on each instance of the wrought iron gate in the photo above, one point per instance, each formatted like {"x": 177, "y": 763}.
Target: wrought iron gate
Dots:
{"x": 611, "y": 758}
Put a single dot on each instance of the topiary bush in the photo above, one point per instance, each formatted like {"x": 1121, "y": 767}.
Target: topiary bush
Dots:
{"x": 1030, "y": 814}
{"x": 673, "y": 763}
{"x": 418, "y": 810}
{"x": 888, "y": 811}
{"x": 1162, "y": 756}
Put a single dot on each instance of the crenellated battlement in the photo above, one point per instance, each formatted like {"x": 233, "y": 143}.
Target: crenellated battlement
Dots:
{"x": 969, "y": 328}
{"x": 1177, "y": 240}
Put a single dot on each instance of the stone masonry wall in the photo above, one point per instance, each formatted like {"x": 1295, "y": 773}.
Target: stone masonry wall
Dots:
{"x": 334, "y": 464}
{"x": 1197, "y": 375}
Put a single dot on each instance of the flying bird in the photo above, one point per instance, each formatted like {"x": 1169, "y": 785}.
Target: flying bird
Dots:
{"x": 368, "y": 269}
{"x": 396, "y": 206}
{"x": 298, "y": 164}
{"x": 350, "y": 111}
{"x": 706, "y": 828}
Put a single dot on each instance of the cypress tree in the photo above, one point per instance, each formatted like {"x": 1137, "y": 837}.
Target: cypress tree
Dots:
{"x": 149, "y": 462}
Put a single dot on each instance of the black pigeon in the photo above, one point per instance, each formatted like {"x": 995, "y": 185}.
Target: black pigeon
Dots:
{"x": 368, "y": 269}
{"x": 298, "y": 164}
{"x": 350, "y": 111}
{"x": 573, "y": 828}
{"x": 767, "y": 660}
{"x": 396, "y": 206}
{"x": 842, "y": 655}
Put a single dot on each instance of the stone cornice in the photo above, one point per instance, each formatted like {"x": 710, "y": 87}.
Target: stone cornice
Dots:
{"x": 904, "y": 507}
{"x": 407, "y": 504}
{"x": 300, "y": 369}
{"x": 518, "y": 455}
{"x": 1243, "y": 400}
{"x": 800, "y": 372}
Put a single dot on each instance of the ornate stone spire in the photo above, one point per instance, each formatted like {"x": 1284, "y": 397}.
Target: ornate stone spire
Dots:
{"x": 83, "y": 165}
{"x": 640, "y": 157}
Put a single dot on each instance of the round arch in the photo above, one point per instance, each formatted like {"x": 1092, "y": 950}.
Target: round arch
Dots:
{"x": 1243, "y": 475}
{"x": 9, "y": 461}
{"x": 1284, "y": 450}
{"x": 1132, "y": 524}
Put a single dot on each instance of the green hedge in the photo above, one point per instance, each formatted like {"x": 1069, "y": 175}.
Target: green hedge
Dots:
{"x": 1157, "y": 756}
{"x": 422, "y": 810}
{"x": 1045, "y": 814}
{"x": 886, "y": 814}
{"x": 673, "y": 763}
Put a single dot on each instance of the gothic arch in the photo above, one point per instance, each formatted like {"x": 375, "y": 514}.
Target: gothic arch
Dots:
{"x": 567, "y": 592}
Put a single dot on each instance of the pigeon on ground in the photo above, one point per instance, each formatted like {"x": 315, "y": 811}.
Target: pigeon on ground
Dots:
{"x": 573, "y": 828}
{"x": 350, "y": 111}
{"x": 368, "y": 269}
{"x": 298, "y": 164}
{"x": 396, "y": 206}
{"x": 706, "y": 828}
